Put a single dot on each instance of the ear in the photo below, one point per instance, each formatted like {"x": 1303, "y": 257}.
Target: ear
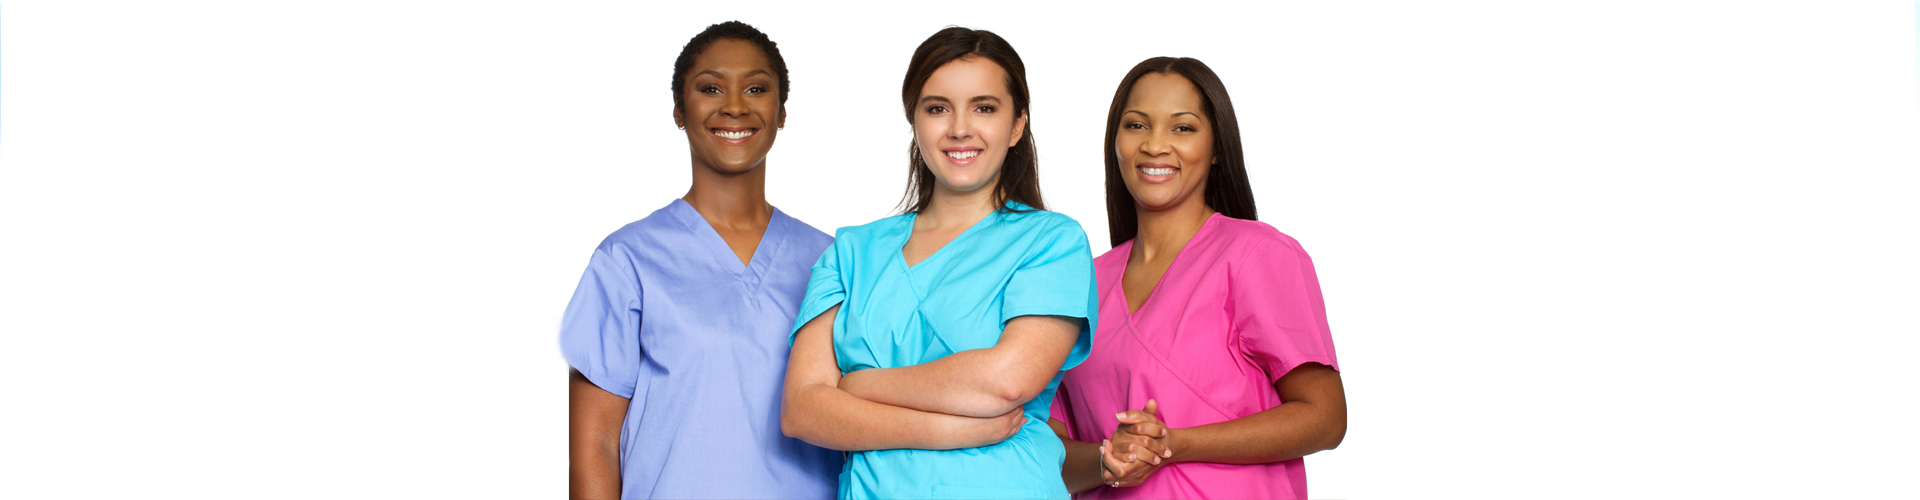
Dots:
{"x": 678, "y": 121}
{"x": 1216, "y": 159}
{"x": 782, "y": 122}
{"x": 1019, "y": 129}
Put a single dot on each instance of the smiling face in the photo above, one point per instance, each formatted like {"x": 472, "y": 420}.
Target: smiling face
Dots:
{"x": 964, "y": 123}
{"x": 1165, "y": 143}
{"x": 732, "y": 107}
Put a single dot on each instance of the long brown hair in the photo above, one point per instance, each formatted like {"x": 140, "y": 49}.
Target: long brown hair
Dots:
{"x": 1227, "y": 190}
{"x": 1020, "y": 175}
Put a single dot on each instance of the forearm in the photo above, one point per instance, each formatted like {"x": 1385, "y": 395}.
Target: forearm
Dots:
{"x": 1081, "y": 471}
{"x": 831, "y": 418}
{"x": 958, "y": 384}
{"x": 594, "y": 471}
{"x": 1292, "y": 430}
{"x": 977, "y": 382}
{"x": 593, "y": 442}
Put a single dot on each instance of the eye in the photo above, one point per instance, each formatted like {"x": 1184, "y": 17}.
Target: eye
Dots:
{"x": 1184, "y": 128}
{"x": 709, "y": 89}
{"x": 936, "y": 109}
{"x": 756, "y": 90}
{"x": 1134, "y": 126}
{"x": 983, "y": 108}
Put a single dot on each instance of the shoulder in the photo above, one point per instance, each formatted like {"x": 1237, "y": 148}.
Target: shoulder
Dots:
{"x": 849, "y": 237}
{"x": 1114, "y": 256}
{"x": 1045, "y": 223}
{"x": 638, "y": 234}
{"x": 805, "y": 234}
{"x": 1252, "y": 236}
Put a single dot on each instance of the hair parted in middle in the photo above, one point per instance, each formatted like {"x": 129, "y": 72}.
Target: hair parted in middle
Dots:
{"x": 1020, "y": 175}
{"x": 1227, "y": 190}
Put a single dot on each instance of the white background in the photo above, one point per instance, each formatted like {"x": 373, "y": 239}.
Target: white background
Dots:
{"x": 1586, "y": 250}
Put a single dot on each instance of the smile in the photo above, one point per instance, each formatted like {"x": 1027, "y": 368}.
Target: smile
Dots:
{"x": 1156, "y": 171}
{"x": 962, "y": 155}
{"x": 733, "y": 134}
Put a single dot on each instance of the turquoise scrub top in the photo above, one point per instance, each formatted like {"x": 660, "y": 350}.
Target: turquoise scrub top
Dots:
{"x": 1015, "y": 262}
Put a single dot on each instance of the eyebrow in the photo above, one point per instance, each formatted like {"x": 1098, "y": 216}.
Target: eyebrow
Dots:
{"x": 1176, "y": 113}
{"x": 934, "y": 98}
{"x": 716, "y": 74}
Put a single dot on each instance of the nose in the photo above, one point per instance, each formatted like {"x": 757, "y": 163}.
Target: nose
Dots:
{"x": 1156, "y": 144}
{"x": 735, "y": 106}
{"x": 962, "y": 127}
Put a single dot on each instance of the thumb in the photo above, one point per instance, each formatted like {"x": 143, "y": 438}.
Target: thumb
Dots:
{"x": 1152, "y": 408}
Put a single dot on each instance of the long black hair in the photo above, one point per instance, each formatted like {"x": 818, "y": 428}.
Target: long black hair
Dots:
{"x": 1227, "y": 190}
{"x": 1020, "y": 175}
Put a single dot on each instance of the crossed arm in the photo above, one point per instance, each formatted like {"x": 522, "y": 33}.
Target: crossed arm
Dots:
{"x": 820, "y": 411}
{"x": 978, "y": 382}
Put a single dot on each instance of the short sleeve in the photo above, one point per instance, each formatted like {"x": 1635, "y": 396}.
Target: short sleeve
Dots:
{"x": 824, "y": 288}
{"x": 1055, "y": 278}
{"x": 1279, "y": 318}
{"x": 600, "y": 333}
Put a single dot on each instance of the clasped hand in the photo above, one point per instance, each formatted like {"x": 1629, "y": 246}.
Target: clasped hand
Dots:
{"x": 1137, "y": 449}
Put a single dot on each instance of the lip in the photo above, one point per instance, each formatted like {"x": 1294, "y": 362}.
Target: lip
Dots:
{"x": 715, "y": 133}
{"x": 961, "y": 162}
{"x": 1156, "y": 179}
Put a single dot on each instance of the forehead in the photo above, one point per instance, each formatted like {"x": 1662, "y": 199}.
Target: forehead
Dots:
{"x": 966, "y": 78}
{"x": 1163, "y": 93}
{"x": 731, "y": 56}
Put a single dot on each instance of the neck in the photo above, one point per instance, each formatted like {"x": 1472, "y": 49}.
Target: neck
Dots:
{"x": 951, "y": 208}
{"x": 734, "y": 200}
{"x": 1162, "y": 233}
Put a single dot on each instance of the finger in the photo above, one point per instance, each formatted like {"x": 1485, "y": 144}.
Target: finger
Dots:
{"x": 1155, "y": 450}
{"x": 1150, "y": 451}
{"x": 1148, "y": 429}
{"x": 1152, "y": 408}
{"x": 1118, "y": 469}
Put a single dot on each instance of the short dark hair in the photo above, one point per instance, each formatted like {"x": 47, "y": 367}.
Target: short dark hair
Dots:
{"x": 731, "y": 29}
{"x": 1227, "y": 190}
{"x": 1020, "y": 175}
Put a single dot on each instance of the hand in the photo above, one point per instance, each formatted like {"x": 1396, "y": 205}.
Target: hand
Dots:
{"x": 1137, "y": 449}
{"x": 973, "y": 432}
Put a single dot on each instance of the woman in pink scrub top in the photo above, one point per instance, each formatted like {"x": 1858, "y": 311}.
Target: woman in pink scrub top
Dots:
{"x": 1213, "y": 370}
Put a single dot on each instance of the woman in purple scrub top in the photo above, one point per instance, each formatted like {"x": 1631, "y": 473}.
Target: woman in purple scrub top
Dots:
{"x": 677, "y": 333}
{"x": 1213, "y": 370}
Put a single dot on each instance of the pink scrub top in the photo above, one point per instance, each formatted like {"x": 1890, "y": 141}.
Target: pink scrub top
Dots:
{"x": 1238, "y": 309}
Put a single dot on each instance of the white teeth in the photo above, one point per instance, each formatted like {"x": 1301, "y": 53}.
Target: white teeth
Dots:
{"x": 733, "y": 135}
{"x": 962, "y": 155}
{"x": 1156, "y": 171}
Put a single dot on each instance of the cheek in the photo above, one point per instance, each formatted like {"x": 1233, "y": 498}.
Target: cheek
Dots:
{"x": 1199, "y": 152}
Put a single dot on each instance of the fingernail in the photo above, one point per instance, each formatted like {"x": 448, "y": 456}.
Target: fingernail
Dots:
{"x": 1120, "y": 415}
{"x": 1169, "y": 452}
{"x": 1131, "y": 457}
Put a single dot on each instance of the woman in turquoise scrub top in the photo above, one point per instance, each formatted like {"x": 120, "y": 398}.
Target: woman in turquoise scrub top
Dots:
{"x": 929, "y": 344}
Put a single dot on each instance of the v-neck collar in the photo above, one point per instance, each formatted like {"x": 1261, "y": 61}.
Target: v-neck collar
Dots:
{"x": 770, "y": 243}
{"x": 901, "y": 253}
{"x": 1126, "y": 305}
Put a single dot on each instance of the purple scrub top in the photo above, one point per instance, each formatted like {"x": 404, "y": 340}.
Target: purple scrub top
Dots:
{"x": 666, "y": 316}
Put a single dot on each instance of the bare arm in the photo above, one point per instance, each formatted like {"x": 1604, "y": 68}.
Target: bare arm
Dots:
{"x": 1312, "y": 417}
{"x": 818, "y": 412}
{"x": 978, "y": 382}
{"x": 1082, "y": 469}
{"x": 594, "y": 417}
